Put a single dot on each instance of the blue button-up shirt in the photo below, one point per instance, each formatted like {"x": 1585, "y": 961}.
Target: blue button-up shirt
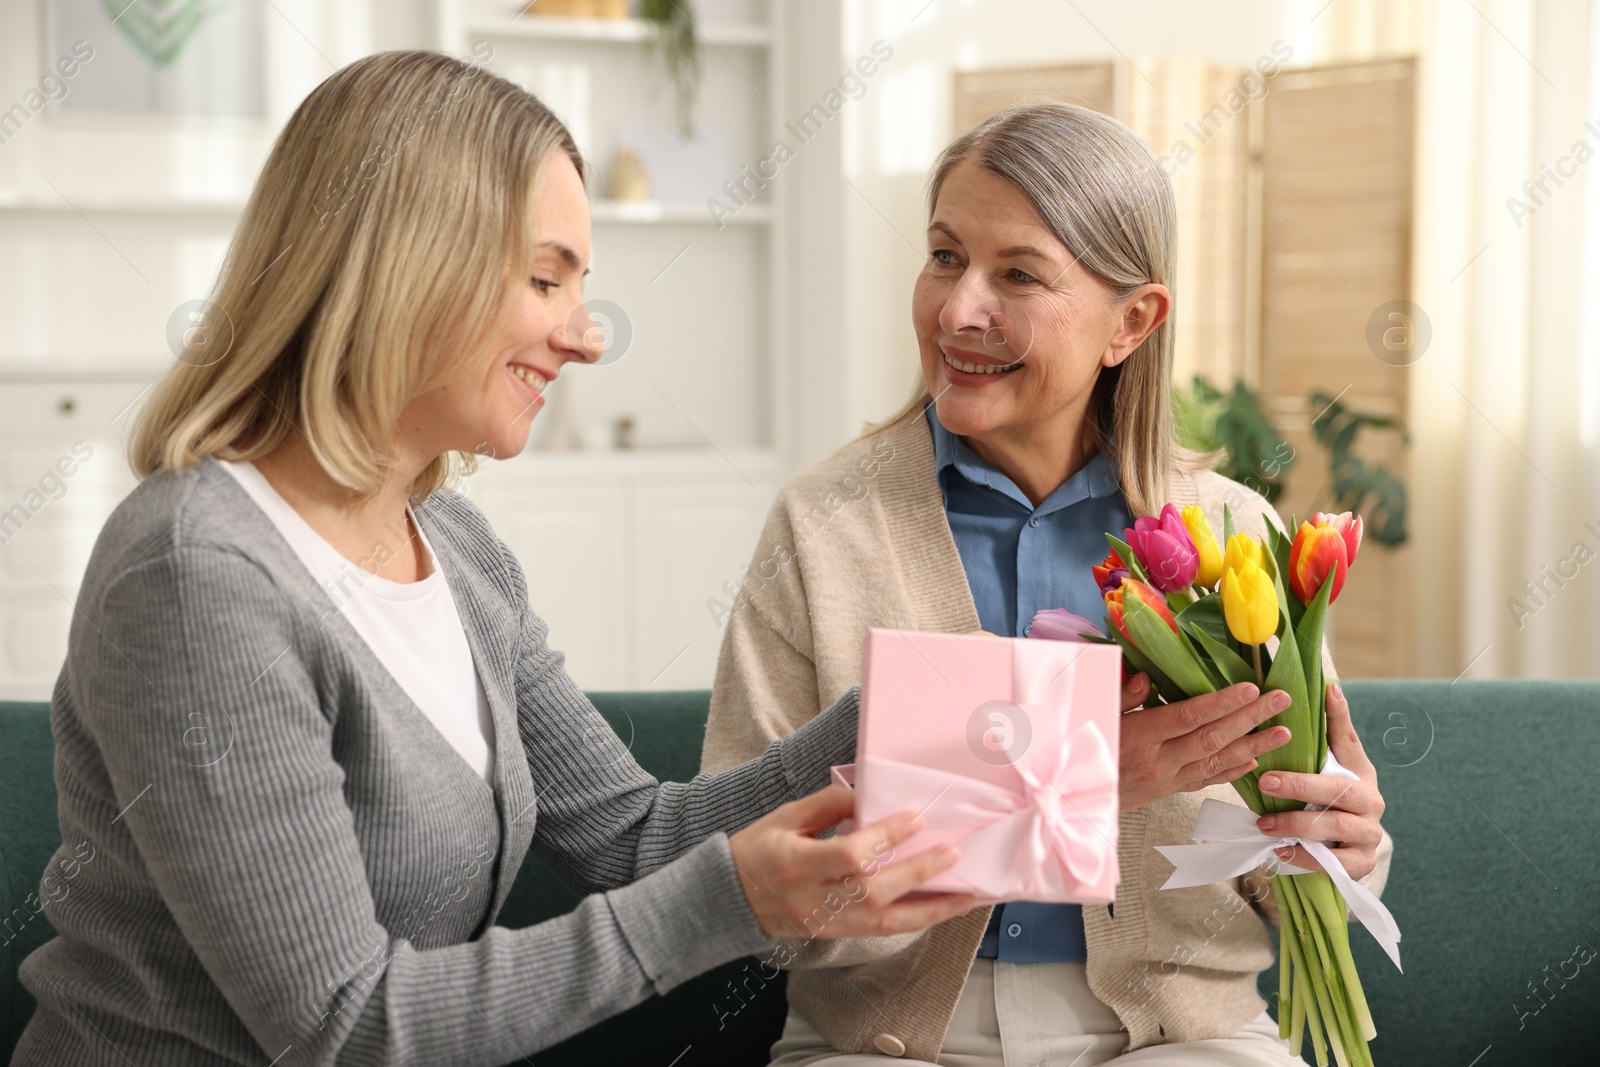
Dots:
{"x": 1020, "y": 560}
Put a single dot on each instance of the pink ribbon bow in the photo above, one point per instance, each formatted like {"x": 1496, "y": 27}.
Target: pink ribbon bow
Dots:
{"x": 1055, "y": 831}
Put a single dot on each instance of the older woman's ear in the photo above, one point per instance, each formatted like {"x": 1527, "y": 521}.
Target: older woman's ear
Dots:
{"x": 1142, "y": 312}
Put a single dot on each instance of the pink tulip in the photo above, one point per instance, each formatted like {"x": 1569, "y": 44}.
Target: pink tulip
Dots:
{"x": 1058, "y": 624}
{"x": 1165, "y": 549}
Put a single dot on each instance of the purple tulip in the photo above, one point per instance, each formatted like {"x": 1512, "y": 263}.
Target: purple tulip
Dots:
{"x": 1109, "y": 572}
{"x": 1165, "y": 549}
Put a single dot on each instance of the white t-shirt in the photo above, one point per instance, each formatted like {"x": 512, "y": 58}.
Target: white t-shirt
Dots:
{"x": 412, "y": 627}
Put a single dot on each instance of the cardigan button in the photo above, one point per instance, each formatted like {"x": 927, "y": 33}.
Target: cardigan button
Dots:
{"x": 890, "y": 1045}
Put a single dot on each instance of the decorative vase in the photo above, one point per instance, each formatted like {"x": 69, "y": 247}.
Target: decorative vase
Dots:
{"x": 629, "y": 180}
{"x": 560, "y": 428}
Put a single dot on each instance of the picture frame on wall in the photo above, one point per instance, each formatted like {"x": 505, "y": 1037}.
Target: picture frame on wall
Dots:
{"x": 172, "y": 59}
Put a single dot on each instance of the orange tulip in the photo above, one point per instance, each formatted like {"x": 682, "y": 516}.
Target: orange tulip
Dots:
{"x": 1349, "y": 527}
{"x": 1146, "y": 596}
{"x": 1319, "y": 546}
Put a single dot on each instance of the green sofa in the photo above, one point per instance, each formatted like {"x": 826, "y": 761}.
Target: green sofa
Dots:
{"x": 1496, "y": 883}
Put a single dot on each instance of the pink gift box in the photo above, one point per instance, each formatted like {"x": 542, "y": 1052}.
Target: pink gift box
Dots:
{"x": 1009, "y": 747}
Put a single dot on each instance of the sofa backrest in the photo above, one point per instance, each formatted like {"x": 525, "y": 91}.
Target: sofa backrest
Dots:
{"x": 1489, "y": 788}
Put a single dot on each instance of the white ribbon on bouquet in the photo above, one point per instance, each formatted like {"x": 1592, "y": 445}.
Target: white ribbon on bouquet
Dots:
{"x": 1233, "y": 845}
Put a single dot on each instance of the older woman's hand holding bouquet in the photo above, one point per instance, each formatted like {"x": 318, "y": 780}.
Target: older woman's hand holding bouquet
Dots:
{"x": 1201, "y": 618}
{"x": 1349, "y": 810}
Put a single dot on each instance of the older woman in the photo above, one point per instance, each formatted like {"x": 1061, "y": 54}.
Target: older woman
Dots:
{"x": 389, "y": 732}
{"x": 1043, "y": 420}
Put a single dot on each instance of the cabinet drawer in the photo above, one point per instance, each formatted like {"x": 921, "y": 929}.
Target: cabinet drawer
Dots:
{"x": 83, "y": 408}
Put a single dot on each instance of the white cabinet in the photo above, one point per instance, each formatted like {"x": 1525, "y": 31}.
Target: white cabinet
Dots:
{"x": 570, "y": 543}
{"x": 62, "y": 471}
{"x": 692, "y": 547}
{"x": 630, "y": 557}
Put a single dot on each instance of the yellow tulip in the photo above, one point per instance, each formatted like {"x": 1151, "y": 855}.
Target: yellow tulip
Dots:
{"x": 1205, "y": 545}
{"x": 1243, "y": 547}
{"x": 1249, "y": 600}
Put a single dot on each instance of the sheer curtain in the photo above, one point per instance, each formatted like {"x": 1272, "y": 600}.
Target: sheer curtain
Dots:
{"x": 1505, "y": 410}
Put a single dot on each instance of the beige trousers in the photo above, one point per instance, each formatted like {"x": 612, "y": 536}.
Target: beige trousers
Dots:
{"x": 1042, "y": 1015}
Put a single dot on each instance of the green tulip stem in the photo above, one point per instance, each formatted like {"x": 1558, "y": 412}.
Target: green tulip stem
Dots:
{"x": 1296, "y": 1011}
{"x": 1330, "y": 907}
{"x": 1347, "y": 1025}
{"x": 1261, "y": 679}
{"x": 1289, "y": 1018}
{"x": 1289, "y": 933}
{"x": 1317, "y": 969}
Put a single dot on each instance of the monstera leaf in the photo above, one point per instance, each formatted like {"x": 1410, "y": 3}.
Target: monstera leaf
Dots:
{"x": 1256, "y": 453}
{"x": 1370, "y": 490}
{"x": 160, "y": 28}
{"x": 1209, "y": 418}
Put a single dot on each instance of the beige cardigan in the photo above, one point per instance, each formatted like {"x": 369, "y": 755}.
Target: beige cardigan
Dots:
{"x": 859, "y": 540}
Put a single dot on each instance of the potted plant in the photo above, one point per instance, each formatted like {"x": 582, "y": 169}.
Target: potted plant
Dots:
{"x": 1256, "y": 455}
{"x": 672, "y": 40}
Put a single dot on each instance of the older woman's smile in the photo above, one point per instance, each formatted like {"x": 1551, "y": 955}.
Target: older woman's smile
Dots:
{"x": 965, "y": 367}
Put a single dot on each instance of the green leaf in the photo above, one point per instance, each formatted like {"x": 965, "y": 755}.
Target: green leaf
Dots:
{"x": 1278, "y": 547}
{"x": 672, "y": 40}
{"x": 1160, "y": 684}
{"x": 1166, "y": 648}
{"x": 1227, "y": 527}
{"x": 1177, "y": 602}
{"x": 1194, "y": 416}
{"x": 1372, "y": 491}
{"x": 1376, "y": 495}
{"x": 1206, "y": 614}
{"x": 1228, "y": 663}
{"x": 1254, "y": 452}
{"x": 1213, "y": 674}
{"x": 1300, "y": 754}
{"x": 1134, "y": 567}
{"x": 1249, "y": 792}
{"x": 1308, "y": 638}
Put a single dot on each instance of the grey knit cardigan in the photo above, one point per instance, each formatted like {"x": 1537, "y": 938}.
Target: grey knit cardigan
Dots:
{"x": 288, "y": 864}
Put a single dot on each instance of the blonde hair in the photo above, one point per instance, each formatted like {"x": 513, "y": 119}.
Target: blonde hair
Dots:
{"x": 374, "y": 249}
{"x": 1101, "y": 191}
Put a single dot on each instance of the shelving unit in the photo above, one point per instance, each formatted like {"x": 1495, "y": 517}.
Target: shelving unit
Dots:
{"x": 652, "y": 538}
{"x": 628, "y": 549}
{"x": 622, "y": 31}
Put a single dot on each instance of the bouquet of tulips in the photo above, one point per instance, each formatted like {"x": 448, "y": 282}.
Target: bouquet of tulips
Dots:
{"x": 1196, "y": 617}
